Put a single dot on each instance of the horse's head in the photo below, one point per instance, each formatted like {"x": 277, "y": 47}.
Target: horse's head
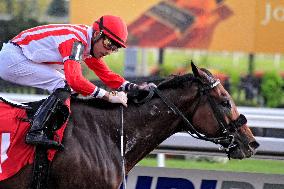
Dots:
{"x": 211, "y": 114}
{"x": 215, "y": 109}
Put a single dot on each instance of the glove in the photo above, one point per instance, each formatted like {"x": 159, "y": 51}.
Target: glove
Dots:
{"x": 146, "y": 86}
{"x": 118, "y": 97}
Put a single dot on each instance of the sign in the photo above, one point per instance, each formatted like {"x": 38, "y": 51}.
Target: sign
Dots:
{"x": 165, "y": 178}
{"x": 217, "y": 25}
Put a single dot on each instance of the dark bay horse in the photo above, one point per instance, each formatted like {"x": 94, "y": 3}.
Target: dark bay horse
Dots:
{"x": 92, "y": 159}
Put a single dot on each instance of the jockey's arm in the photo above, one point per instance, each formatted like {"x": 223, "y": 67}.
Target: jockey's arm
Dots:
{"x": 75, "y": 79}
{"x": 72, "y": 52}
{"x": 112, "y": 79}
{"x": 108, "y": 77}
{"x": 80, "y": 84}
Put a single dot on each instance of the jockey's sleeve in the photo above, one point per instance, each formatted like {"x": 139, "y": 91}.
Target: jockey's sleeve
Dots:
{"x": 73, "y": 71}
{"x": 108, "y": 77}
{"x": 76, "y": 80}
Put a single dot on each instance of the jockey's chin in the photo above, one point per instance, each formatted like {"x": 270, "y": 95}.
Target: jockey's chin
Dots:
{"x": 99, "y": 55}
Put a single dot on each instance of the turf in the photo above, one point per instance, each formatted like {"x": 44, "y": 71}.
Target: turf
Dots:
{"x": 248, "y": 165}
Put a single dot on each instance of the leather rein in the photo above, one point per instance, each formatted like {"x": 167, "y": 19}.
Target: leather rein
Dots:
{"x": 227, "y": 140}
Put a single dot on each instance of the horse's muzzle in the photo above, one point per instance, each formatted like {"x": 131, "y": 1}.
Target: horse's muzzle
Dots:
{"x": 254, "y": 145}
{"x": 241, "y": 152}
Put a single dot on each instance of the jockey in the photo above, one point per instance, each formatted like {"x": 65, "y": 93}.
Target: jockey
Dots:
{"x": 50, "y": 56}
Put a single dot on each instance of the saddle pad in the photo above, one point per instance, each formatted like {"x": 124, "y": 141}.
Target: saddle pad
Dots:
{"x": 12, "y": 102}
{"x": 15, "y": 153}
{"x": 22, "y": 98}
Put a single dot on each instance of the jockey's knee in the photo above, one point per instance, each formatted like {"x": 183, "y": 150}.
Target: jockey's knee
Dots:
{"x": 63, "y": 93}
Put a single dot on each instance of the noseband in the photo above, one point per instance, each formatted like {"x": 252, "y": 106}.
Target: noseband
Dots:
{"x": 226, "y": 140}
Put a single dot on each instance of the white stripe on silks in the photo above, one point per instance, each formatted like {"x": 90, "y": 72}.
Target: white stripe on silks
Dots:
{"x": 5, "y": 143}
{"x": 52, "y": 40}
{"x": 41, "y": 31}
{"x": 82, "y": 27}
{"x": 65, "y": 58}
{"x": 123, "y": 85}
{"x": 36, "y": 50}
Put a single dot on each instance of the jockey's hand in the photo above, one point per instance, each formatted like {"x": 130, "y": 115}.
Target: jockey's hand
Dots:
{"x": 146, "y": 86}
{"x": 116, "y": 97}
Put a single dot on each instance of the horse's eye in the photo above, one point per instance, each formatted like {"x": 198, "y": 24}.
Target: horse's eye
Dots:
{"x": 226, "y": 104}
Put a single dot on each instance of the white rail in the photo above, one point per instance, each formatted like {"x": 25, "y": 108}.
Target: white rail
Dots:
{"x": 182, "y": 143}
{"x": 270, "y": 148}
{"x": 257, "y": 117}
{"x": 264, "y": 117}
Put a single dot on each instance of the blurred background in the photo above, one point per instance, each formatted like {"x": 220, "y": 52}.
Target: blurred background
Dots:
{"x": 241, "y": 42}
{"x": 242, "y": 46}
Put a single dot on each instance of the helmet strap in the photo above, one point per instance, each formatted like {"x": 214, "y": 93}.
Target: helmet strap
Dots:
{"x": 95, "y": 39}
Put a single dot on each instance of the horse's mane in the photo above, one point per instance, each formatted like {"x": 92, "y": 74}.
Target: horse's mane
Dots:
{"x": 170, "y": 82}
{"x": 93, "y": 102}
{"x": 102, "y": 104}
{"x": 175, "y": 81}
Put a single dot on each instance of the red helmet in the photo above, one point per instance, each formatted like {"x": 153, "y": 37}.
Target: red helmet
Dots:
{"x": 113, "y": 27}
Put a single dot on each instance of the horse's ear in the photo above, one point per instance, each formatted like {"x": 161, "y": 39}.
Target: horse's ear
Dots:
{"x": 194, "y": 69}
{"x": 202, "y": 74}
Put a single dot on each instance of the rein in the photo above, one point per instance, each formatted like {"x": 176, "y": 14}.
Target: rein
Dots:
{"x": 192, "y": 131}
{"x": 228, "y": 140}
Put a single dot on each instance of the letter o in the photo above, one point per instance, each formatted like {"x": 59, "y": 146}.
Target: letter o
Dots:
{"x": 278, "y": 14}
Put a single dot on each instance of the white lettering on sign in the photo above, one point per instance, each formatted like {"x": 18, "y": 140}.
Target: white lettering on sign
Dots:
{"x": 273, "y": 13}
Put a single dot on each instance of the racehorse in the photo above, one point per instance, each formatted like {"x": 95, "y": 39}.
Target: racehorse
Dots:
{"x": 196, "y": 103}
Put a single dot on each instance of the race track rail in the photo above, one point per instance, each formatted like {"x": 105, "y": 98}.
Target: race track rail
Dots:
{"x": 184, "y": 144}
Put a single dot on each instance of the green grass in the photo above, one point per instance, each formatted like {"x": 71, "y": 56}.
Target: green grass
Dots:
{"x": 180, "y": 58}
{"x": 176, "y": 60}
{"x": 247, "y": 165}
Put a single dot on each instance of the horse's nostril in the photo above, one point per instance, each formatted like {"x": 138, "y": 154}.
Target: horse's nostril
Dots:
{"x": 254, "y": 144}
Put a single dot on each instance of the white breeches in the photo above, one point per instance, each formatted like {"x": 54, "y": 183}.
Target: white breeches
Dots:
{"x": 16, "y": 68}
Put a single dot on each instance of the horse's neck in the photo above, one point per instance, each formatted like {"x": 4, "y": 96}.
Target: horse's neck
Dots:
{"x": 146, "y": 127}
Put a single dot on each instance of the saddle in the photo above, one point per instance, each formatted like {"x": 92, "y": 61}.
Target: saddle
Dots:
{"x": 15, "y": 119}
{"x": 31, "y": 108}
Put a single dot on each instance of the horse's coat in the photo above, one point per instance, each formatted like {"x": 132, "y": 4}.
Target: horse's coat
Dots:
{"x": 92, "y": 160}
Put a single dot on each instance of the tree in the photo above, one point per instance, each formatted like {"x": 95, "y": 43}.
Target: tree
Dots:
{"x": 57, "y": 8}
{"x": 271, "y": 89}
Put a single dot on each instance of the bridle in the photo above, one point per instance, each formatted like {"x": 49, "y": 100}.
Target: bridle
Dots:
{"x": 227, "y": 138}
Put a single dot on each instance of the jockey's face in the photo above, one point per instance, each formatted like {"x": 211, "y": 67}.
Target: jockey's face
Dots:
{"x": 102, "y": 48}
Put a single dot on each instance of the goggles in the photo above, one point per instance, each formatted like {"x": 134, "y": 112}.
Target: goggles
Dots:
{"x": 109, "y": 44}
